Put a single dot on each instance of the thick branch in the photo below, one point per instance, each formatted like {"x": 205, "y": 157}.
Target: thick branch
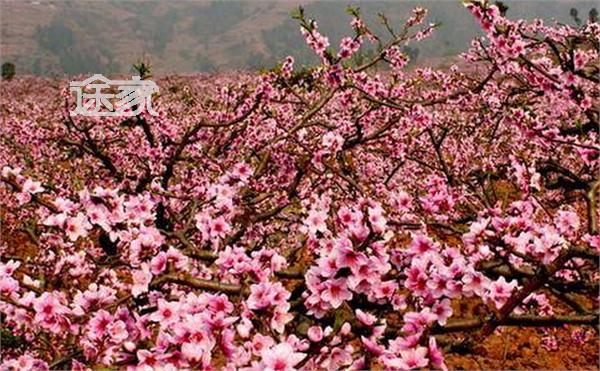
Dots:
{"x": 197, "y": 283}
{"x": 531, "y": 286}
{"x": 526, "y": 320}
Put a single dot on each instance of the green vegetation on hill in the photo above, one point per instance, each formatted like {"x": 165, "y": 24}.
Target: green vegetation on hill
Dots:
{"x": 52, "y": 37}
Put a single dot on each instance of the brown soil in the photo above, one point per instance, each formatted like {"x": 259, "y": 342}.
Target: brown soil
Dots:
{"x": 520, "y": 349}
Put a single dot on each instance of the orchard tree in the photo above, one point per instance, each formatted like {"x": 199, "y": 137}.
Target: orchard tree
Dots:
{"x": 8, "y": 71}
{"x": 329, "y": 218}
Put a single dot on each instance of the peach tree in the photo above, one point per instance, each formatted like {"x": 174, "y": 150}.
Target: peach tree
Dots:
{"x": 335, "y": 217}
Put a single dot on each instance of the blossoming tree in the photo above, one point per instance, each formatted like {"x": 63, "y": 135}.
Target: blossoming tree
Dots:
{"x": 327, "y": 218}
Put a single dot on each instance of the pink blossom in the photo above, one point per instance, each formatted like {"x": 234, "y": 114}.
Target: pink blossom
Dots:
{"x": 158, "y": 263}
{"x": 287, "y": 67}
{"x": 141, "y": 279}
{"x": 474, "y": 283}
{"x": 8, "y": 171}
{"x": 443, "y": 311}
{"x": 7, "y": 269}
{"x": 315, "y": 333}
{"x": 219, "y": 228}
{"x": 117, "y": 331}
{"x": 267, "y": 294}
{"x": 167, "y": 313}
{"x": 98, "y": 326}
{"x": 366, "y": 318}
{"x": 549, "y": 343}
{"x": 414, "y": 358}
{"x": 500, "y": 291}
{"x": 25, "y": 362}
{"x": 261, "y": 343}
{"x": 567, "y": 222}
{"x": 336, "y": 292}
{"x": 409, "y": 359}
{"x": 95, "y": 296}
{"x": 415, "y": 322}
{"x": 315, "y": 221}
{"x": 421, "y": 244}
{"x": 376, "y": 219}
{"x": 77, "y": 226}
{"x": 347, "y": 257}
{"x": 281, "y": 357}
{"x": 32, "y": 187}
{"x": 332, "y": 141}
{"x": 435, "y": 355}
{"x": 280, "y": 318}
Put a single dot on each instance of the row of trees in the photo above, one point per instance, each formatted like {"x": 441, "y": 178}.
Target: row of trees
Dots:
{"x": 309, "y": 219}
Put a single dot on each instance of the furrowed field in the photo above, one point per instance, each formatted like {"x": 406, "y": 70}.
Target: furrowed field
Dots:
{"x": 345, "y": 216}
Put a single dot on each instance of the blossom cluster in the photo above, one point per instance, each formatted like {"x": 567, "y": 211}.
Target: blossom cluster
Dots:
{"x": 338, "y": 217}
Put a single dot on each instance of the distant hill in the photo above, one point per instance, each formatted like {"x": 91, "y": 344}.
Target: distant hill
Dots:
{"x": 70, "y": 37}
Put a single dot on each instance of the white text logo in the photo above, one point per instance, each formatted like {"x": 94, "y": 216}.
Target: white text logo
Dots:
{"x": 99, "y": 96}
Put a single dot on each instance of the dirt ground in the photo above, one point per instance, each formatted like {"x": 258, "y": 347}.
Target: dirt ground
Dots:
{"x": 521, "y": 349}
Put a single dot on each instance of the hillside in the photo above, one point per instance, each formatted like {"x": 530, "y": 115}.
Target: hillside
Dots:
{"x": 57, "y": 37}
